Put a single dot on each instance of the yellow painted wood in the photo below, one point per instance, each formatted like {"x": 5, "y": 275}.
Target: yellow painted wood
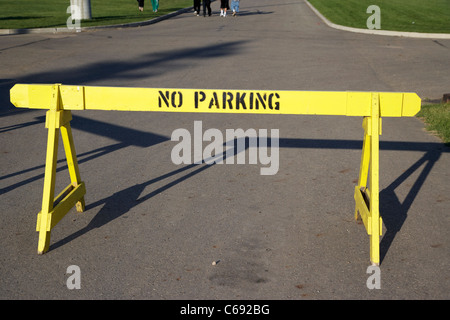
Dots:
{"x": 374, "y": 181}
{"x": 65, "y": 201}
{"x": 367, "y": 197}
{"x": 60, "y": 118}
{"x": 362, "y": 210}
{"x": 61, "y": 99}
{"x": 50, "y": 171}
{"x": 71, "y": 158}
{"x": 53, "y": 209}
{"x": 49, "y": 187}
{"x": 37, "y": 96}
{"x": 365, "y": 156}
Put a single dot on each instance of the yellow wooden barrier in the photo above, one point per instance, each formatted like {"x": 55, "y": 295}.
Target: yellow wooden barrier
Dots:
{"x": 61, "y": 99}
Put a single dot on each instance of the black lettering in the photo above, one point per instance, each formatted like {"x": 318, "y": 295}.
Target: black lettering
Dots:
{"x": 271, "y": 104}
{"x": 229, "y": 100}
{"x": 180, "y": 95}
{"x": 260, "y": 99}
{"x": 165, "y": 98}
{"x": 214, "y": 101}
{"x": 240, "y": 100}
{"x": 202, "y": 95}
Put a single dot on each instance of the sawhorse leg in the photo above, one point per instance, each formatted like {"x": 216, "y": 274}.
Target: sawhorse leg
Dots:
{"x": 53, "y": 209}
{"x": 367, "y": 201}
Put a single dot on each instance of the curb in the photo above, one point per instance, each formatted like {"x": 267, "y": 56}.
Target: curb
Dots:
{"x": 67, "y": 30}
{"x": 379, "y": 32}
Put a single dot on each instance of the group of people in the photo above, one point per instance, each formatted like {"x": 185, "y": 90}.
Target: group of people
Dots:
{"x": 155, "y": 5}
{"x": 224, "y": 6}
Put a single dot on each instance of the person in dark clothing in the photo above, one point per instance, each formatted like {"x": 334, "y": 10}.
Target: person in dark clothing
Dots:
{"x": 206, "y": 5}
{"x": 224, "y": 6}
{"x": 197, "y": 7}
{"x": 141, "y": 5}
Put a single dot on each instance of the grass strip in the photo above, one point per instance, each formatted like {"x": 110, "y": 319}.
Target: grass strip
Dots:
{"x": 437, "y": 120}
{"x": 430, "y": 16}
{"x": 25, "y": 14}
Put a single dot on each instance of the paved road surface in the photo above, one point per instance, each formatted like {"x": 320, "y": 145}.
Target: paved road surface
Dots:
{"x": 152, "y": 229}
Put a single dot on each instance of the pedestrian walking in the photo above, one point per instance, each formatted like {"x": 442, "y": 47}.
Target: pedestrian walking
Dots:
{"x": 206, "y": 6}
{"x": 223, "y": 7}
{"x": 197, "y": 7}
{"x": 235, "y": 6}
{"x": 155, "y": 5}
{"x": 141, "y": 5}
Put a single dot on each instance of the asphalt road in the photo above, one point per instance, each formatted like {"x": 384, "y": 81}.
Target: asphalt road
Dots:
{"x": 152, "y": 229}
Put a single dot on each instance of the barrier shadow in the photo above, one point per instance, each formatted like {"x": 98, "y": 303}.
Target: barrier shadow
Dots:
{"x": 124, "y": 136}
{"x": 393, "y": 211}
{"x": 38, "y": 120}
{"x": 146, "y": 65}
{"x": 124, "y": 200}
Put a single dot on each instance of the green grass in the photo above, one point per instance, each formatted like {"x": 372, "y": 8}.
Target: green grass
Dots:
{"x": 23, "y": 14}
{"x": 429, "y": 16}
{"x": 437, "y": 120}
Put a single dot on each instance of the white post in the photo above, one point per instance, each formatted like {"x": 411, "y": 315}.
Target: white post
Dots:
{"x": 84, "y": 12}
